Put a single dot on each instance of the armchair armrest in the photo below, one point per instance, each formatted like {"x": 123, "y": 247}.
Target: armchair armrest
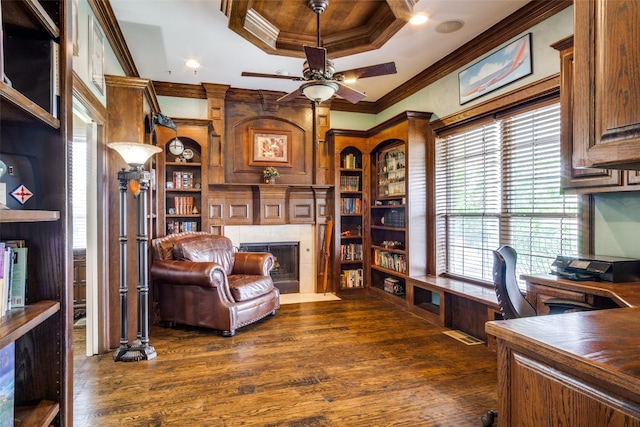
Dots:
{"x": 205, "y": 274}
{"x": 254, "y": 263}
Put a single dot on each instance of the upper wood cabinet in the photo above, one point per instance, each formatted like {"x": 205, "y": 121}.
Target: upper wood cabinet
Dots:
{"x": 586, "y": 179}
{"x": 606, "y": 127}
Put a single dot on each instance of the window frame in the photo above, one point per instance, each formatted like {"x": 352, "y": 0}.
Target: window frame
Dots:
{"x": 546, "y": 90}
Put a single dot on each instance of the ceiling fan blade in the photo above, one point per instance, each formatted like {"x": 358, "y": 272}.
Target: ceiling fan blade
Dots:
{"x": 370, "y": 71}
{"x": 290, "y": 96}
{"x": 271, "y": 76}
{"x": 316, "y": 57}
{"x": 351, "y": 95}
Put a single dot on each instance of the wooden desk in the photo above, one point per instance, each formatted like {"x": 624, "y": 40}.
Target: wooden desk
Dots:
{"x": 599, "y": 294}
{"x": 573, "y": 369}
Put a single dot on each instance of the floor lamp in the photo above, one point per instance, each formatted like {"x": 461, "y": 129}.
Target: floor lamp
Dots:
{"x": 137, "y": 180}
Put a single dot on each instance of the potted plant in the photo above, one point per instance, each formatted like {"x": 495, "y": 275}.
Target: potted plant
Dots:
{"x": 270, "y": 174}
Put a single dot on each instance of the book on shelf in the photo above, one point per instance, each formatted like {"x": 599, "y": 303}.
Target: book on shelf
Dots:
{"x": 349, "y": 183}
{"x": 351, "y": 278}
{"x": 183, "y": 205}
{"x": 350, "y": 205}
{"x": 5, "y": 279}
{"x": 15, "y": 280}
{"x": 182, "y": 180}
{"x": 7, "y": 384}
{"x": 180, "y": 226}
{"x": 18, "y": 281}
{"x": 351, "y": 252}
{"x": 349, "y": 161}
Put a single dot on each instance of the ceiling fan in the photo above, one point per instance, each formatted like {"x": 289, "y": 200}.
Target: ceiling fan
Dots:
{"x": 321, "y": 81}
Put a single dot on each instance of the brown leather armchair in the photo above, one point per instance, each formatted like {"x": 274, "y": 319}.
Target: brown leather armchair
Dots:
{"x": 201, "y": 281}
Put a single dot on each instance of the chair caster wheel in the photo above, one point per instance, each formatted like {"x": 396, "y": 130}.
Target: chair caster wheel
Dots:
{"x": 489, "y": 418}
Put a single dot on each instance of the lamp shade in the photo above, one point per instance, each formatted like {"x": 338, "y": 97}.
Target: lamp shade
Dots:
{"x": 134, "y": 153}
{"x": 319, "y": 90}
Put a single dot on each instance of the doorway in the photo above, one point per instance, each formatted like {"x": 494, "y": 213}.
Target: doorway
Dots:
{"x": 88, "y": 230}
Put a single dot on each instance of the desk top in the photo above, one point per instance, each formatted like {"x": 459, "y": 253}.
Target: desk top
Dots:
{"x": 602, "y": 344}
{"x": 624, "y": 294}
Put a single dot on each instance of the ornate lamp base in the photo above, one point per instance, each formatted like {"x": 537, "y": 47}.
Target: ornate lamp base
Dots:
{"x": 134, "y": 352}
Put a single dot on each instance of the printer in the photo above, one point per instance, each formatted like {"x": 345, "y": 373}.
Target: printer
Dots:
{"x": 597, "y": 267}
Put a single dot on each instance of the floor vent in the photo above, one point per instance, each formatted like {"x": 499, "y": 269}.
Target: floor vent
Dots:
{"x": 463, "y": 338}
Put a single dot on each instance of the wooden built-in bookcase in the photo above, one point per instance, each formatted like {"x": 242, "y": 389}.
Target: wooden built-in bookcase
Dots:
{"x": 183, "y": 179}
{"x": 34, "y": 120}
{"x": 390, "y": 169}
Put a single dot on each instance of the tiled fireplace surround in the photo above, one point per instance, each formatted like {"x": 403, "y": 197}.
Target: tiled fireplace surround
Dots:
{"x": 303, "y": 233}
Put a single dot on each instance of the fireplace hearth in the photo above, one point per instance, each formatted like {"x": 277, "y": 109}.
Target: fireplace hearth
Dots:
{"x": 286, "y": 272}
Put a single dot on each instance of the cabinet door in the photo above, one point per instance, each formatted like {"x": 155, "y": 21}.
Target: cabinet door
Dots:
{"x": 607, "y": 93}
{"x": 573, "y": 177}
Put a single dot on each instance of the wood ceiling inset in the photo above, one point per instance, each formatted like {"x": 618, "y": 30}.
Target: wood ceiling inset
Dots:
{"x": 347, "y": 27}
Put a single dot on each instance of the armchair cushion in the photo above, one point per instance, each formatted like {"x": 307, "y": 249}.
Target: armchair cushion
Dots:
{"x": 246, "y": 287}
{"x": 199, "y": 249}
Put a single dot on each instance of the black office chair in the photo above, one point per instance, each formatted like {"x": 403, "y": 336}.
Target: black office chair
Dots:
{"x": 514, "y": 305}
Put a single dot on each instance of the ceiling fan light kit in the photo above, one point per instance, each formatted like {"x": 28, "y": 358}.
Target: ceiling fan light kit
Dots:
{"x": 320, "y": 90}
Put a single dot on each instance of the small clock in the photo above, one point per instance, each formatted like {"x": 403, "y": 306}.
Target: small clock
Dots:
{"x": 176, "y": 147}
{"x": 188, "y": 153}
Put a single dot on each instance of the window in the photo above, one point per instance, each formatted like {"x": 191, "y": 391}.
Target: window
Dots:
{"x": 498, "y": 183}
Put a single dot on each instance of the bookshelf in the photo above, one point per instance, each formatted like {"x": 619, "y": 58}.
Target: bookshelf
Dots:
{"x": 389, "y": 265}
{"x": 351, "y": 210}
{"x": 34, "y": 119}
{"x": 183, "y": 177}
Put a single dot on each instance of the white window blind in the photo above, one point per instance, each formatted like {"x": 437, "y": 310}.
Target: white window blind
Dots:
{"x": 499, "y": 183}
{"x": 79, "y": 191}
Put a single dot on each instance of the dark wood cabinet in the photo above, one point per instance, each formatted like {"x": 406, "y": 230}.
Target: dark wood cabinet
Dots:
{"x": 606, "y": 125}
{"x": 34, "y": 118}
{"x": 576, "y": 178}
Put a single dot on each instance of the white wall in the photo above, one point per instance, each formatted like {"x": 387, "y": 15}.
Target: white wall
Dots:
{"x": 81, "y": 61}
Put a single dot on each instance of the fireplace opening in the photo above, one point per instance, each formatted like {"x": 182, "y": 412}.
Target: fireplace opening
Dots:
{"x": 286, "y": 271}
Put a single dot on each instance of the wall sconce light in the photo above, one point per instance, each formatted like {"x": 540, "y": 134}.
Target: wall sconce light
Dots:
{"x": 137, "y": 180}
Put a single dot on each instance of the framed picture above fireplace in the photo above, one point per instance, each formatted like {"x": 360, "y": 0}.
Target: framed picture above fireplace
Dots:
{"x": 270, "y": 146}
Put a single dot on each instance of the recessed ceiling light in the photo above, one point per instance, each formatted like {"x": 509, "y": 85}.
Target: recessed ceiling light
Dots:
{"x": 418, "y": 19}
{"x": 192, "y": 63}
{"x": 450, "y": 26}
{"x": 282, "y": 72}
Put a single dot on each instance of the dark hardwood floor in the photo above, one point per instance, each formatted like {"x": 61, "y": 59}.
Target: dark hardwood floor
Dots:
{"x": 355, "y": 362}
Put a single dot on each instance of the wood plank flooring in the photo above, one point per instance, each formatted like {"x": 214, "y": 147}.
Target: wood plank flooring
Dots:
{"x": 356, "y": 362}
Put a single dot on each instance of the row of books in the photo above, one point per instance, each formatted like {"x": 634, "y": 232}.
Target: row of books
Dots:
{"x": 13, "y": 274}
{"x": 349, "y": 183}
{"x": 351, "y": 252}
{"x": 390, "y": 261}
{"x": 180, "y": 226}
{"x": 352, "y": 278}
{"x": 350, "y": 205}
{"x": 184, "y": 205}
{"x": 183, "y": 179}
{"x": 350, "y": 161}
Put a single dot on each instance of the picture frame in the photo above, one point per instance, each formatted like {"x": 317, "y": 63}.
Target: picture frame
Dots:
{"x": 270, "y": 146}
{"x": 96, "y": 55}
{"x": 508, "y": 64}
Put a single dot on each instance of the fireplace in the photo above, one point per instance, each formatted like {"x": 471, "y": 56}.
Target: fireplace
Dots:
{"x": 286, "y": 272}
